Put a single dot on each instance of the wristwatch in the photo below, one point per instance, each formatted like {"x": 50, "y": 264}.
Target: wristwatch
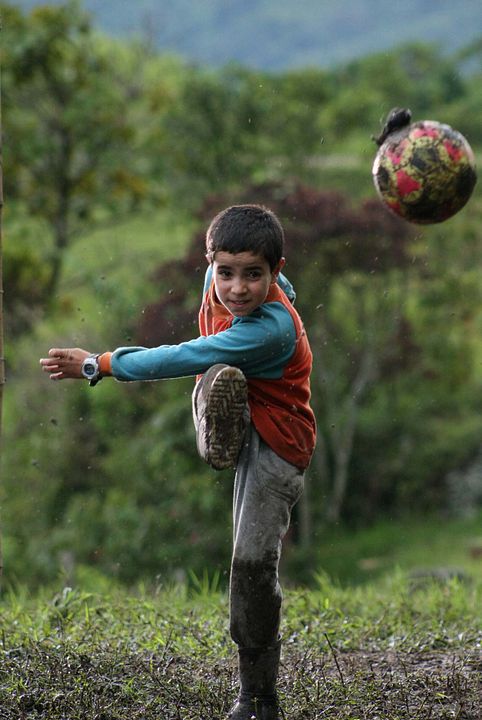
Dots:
{"x": 90, "y": 369}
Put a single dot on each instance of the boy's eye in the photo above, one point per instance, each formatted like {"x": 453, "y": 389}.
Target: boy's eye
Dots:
{"x": 226, "y": 273}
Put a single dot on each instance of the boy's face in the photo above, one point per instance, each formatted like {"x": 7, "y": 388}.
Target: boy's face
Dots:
{"x": 242, "y": 280}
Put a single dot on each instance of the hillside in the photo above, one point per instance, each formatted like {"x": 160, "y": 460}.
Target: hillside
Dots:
{"x": 279, "y": 34}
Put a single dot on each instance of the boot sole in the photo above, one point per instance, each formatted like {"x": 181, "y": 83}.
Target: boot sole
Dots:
{"x": 225, "y": 408}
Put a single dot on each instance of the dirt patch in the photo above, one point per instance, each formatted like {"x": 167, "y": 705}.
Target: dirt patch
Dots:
{"x": 386, "y": 685}
{"x": 54, "y": 683}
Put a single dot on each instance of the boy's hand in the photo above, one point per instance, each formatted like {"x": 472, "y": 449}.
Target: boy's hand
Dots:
{"x": 64, "y": 363}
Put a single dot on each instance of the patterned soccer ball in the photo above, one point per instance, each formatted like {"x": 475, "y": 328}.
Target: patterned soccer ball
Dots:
{"x": 423, "y": 171}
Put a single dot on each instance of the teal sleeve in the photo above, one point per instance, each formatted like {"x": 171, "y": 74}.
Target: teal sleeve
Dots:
{"x": 259, "y": 344}
{"x": 287, "y": 287}
{"x": 207, "y": 279}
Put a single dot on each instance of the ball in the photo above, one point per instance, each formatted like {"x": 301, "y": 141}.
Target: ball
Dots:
{"x": 423, "y": 171}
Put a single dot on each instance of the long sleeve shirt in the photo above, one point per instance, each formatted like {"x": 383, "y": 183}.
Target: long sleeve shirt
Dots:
{"x": 270, "y": 347}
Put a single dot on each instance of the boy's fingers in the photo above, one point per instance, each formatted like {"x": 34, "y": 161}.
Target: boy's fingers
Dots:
{"x": 48, "y": 363}
{"x": 57, "y": 356}
{"x": 63, "y": 363}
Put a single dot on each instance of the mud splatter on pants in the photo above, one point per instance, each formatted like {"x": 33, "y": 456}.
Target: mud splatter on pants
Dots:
{"x": 266, "y": 487}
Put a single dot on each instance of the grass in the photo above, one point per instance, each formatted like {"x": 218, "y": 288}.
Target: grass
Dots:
{"x": 145, "y": 240}
{"x": 387, "y": 650}
{"x": 110, "y": 270}
{"x": 418, "y": 544}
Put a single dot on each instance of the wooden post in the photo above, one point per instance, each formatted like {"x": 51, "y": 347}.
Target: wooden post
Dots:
{"x": 2, "y": 359}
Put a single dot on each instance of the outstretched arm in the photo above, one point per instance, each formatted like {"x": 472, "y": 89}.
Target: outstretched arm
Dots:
{"x": 63, "y": 363}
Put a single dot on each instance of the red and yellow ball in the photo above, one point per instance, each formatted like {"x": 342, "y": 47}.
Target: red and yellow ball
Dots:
{"x": 425, "y": 172}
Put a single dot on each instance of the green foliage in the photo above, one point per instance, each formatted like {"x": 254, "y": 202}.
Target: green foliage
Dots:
{"x": 422, "y": 545}
{"x": 25, "y": 280}
{"x": 233, "y": 124}
{"x": 71, "y": 114}
{"x": 68, "y": 451}
{"x": 101, "y": 138}
{"x": 415, "y": 76}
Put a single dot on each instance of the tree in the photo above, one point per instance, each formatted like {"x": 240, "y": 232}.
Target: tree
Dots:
{"x": 233, "y": 125}
{"x": 2, "y": 359}
{"x": 69, "y": 135}
{"x": 414, "y": 75}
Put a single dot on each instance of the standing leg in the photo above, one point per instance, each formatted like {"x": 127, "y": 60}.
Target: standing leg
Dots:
{"x": 266, "y": 488}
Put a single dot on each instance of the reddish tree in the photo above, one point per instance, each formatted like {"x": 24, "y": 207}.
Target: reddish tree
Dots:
{"x": 322, "y": 228}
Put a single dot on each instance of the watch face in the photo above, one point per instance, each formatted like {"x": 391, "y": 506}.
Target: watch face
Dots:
{"x": 89, "y": 368}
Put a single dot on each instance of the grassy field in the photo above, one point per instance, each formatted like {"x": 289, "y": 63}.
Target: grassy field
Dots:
{"x": 397, "y": 635}
{"x": 395, "y": 649}
{"x": 419, "y": 545}
{"x": 402, "y": 644}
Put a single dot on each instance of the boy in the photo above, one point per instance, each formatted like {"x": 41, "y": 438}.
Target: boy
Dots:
{"x": 251, "y": 411}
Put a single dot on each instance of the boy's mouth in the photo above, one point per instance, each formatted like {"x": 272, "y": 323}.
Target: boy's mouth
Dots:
{"x": 238, "y": 304}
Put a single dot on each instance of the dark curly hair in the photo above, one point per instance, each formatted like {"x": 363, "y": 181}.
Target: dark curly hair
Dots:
{"x": 246, "y": 228}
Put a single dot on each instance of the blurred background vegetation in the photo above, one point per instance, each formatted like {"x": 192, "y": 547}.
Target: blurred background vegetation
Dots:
{"x": 116, "y": 155}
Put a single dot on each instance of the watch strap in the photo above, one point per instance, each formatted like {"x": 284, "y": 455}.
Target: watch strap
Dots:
{"x": 105, "y": 363}
{"x": 98, "y": 377}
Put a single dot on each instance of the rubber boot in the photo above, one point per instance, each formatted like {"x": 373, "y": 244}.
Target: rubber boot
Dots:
{"x": 258, "y": 672}
{"x": 221, "y": 415}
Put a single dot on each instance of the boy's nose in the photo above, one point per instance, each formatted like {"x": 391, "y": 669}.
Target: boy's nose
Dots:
{"x": 239, "y": 286}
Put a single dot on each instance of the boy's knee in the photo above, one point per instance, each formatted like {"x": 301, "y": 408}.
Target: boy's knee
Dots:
{"x": 255, "y": 601}
{"x": 254, "y": 574}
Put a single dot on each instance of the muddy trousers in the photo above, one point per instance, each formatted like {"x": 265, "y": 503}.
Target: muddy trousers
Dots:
{"x": 265, "y": 489}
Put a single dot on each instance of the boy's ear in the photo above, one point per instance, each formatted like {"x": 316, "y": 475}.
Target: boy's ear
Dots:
{"x": 209, "y": 258}
{"x": 276, "y": 271}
